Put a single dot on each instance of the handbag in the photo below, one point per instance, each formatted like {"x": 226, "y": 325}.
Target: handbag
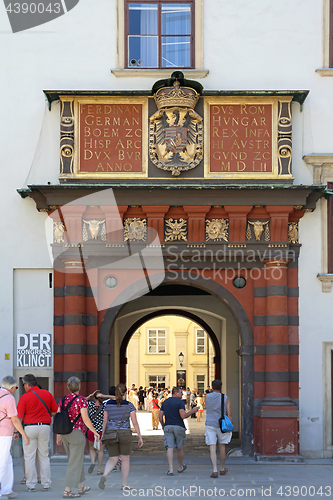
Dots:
{"x": 224, "y": 422}
{"x": 112, "y": 435}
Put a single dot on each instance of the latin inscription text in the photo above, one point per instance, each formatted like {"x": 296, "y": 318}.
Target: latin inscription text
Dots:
{"x": 241, "y": 138}
{"x": 111, "y": 138}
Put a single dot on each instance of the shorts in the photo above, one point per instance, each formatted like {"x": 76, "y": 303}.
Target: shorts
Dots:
{"x": 123, "y": 446}
{"x": 214, "y": 435}
{"x": 174, "y": 436}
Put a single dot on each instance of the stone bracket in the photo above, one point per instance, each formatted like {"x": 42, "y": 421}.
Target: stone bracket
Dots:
{"x": 326, "y": 282}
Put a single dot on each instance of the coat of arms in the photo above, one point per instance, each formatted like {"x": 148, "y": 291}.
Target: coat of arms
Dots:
{"x": 176, "y": 130}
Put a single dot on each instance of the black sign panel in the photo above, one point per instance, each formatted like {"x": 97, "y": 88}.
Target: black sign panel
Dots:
{"x": 181, "y": 379}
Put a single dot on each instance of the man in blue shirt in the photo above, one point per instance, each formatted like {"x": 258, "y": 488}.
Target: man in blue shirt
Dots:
{"x": 174, "y": 413}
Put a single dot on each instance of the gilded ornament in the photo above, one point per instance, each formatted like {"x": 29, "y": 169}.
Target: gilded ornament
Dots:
{"x": 135, "y": 229}
{"x": 67, "y": 137}
{"x": 293, "y": 232}
{"x": 93, "y": 225}
{"x": 176, "y": 130}
{"x": 258, "y": 229}
{"x": 284, "y": 137}
{"x": 58, "y": 232}
{"x": 176, "y": 230}
{"x": 217, "y": 229}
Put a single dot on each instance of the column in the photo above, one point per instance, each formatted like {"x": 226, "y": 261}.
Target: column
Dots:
{"x": 92, "y": 330}
{"x": 259, "y": 341}
{"x": 279, "y": 424}
{"x": 73, "y": 322}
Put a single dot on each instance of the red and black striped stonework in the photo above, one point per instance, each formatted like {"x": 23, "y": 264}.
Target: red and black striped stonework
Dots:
{"x": 75, "y": 329}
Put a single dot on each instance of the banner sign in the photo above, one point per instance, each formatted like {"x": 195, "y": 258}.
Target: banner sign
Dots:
{"x": 33, "y": 350}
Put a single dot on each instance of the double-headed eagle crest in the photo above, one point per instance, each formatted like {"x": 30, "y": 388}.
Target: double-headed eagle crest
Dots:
{"x": 176, "y": 130}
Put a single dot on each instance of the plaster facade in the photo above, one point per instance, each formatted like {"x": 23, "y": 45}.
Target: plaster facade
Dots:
{"x": 276, "y": 47}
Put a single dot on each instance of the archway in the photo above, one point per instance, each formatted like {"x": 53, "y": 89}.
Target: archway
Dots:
{"x": 169, "y": 312}
{"x": 171, "y": 349}
{"x": 240, "y": 317}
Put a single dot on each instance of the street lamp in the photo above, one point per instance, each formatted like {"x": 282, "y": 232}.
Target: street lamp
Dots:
{"x": 181, "y": 358}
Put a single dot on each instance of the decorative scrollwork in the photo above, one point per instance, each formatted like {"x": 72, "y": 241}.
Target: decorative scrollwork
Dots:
{"x": 217, "y": 229}
{"x": 284, "y": 138}
{"x": 58, "y": 232}
{"x": 66, "y": 137}
{"x": 176, "y": 230}
{"x": 293, "y": 232}
{"x": 135, "y": 229}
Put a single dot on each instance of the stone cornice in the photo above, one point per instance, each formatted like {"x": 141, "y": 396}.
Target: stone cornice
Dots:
{"x": 156, "y": 73}
{"x": 192, "y": 193}
{"x": 322, "y": 167}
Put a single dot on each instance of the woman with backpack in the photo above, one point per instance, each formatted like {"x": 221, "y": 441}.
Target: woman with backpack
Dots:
{"x": 96, "y": 406}
{"x": 74, "y": 441}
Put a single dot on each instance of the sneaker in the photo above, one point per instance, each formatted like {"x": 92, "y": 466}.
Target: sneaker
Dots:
{"x": 31, "y": 489}
{"x": 11, "y": 495}
{"x": 46, "y": 488}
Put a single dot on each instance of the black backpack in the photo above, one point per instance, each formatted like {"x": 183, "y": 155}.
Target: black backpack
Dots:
{"x": 62, "y": 424}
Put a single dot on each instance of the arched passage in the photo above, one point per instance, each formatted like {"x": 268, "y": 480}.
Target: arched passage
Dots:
{"x": 245, "y": 331}
{"x": 169, "y": 312}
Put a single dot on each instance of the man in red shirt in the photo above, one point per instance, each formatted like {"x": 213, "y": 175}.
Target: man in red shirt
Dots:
{"x": 35, "y": 408}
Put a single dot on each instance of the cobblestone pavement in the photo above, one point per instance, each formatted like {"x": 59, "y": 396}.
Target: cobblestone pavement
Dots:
{"x": 246, "y": 477}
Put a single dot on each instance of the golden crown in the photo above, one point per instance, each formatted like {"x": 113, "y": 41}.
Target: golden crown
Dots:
{"x": 167, "y": 97}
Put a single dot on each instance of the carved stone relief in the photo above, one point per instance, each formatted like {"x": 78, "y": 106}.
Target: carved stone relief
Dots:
{"x": 260, "y": 230}
{"x": 93, "y": 230}
{"x": 135, "y": 229}
{"x": 217, "y": 230}
{"x": 175, "y": 230}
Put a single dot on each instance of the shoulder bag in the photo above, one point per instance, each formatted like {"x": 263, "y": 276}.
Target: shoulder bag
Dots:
{"x": 40, "y": 399}
{"x": 5, "y": 415}
{"x": 224, "y": 422}
{"x": 97, "y": 412}
{"x": 112, "y": 435}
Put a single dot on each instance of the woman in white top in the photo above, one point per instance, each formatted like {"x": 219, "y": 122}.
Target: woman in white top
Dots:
{"x": 199, "y": 402}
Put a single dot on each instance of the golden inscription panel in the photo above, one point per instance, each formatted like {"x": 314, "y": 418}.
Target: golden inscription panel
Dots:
{"x": 110, "y": 138}
{"x": 241, "y": 138}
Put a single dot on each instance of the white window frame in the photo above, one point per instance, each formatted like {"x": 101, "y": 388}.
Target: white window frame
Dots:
{"x": 204, "y": 382}
{"x": 157, "y": 376}
{"x": 196, "y": 341}
{"x": 166, "y": 336}
{"x": 121, "y": 71}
